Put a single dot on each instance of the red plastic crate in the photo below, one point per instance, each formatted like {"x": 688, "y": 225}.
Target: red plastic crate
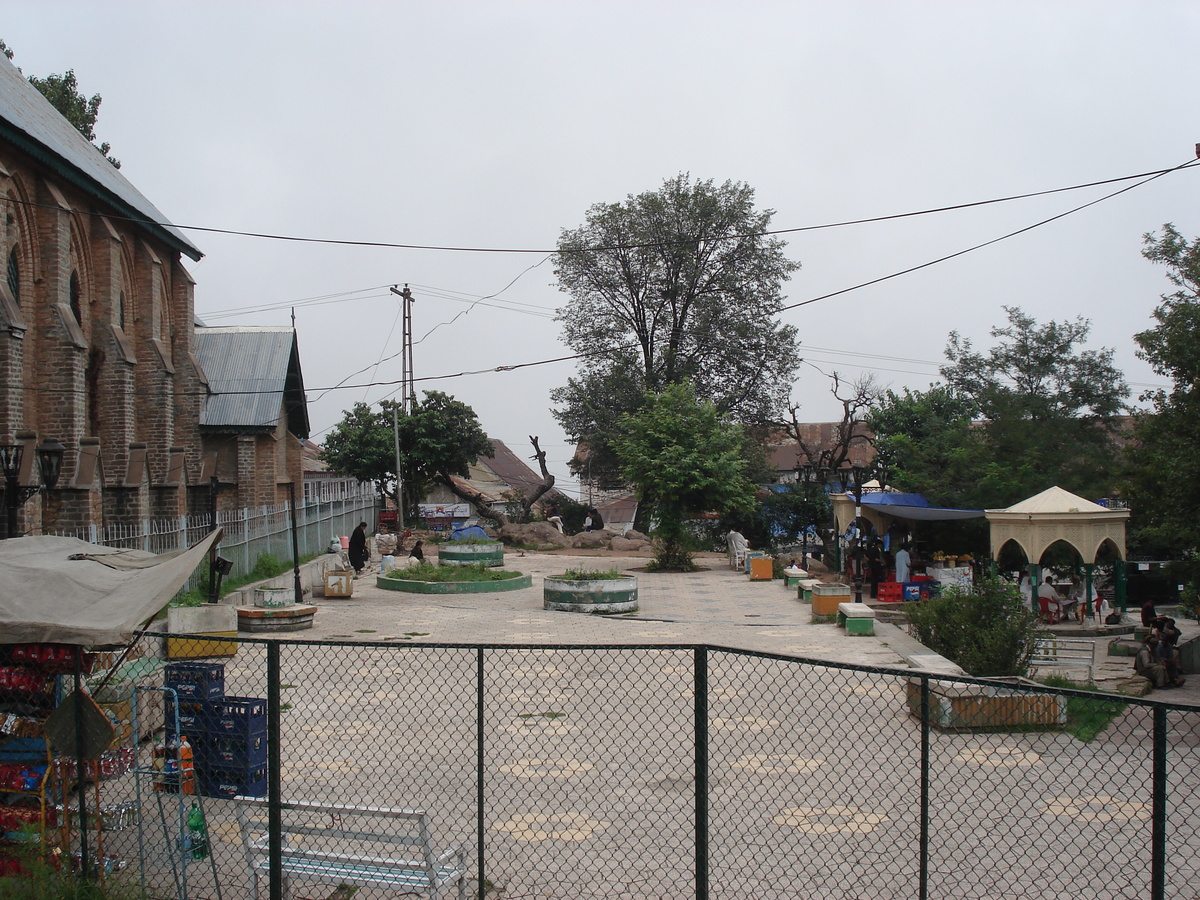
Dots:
{"x": 889, "y": 592}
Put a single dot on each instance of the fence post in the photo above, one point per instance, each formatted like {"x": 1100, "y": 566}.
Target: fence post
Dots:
{"x": 274, "y": 790}
{"x": 700, "y": 678}
{"x": 923, "y": 887}
{"x": 479, "y": 793}
{"x": 1158, "y": 847}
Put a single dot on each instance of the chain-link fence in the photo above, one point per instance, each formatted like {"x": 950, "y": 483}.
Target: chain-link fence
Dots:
{"x": 647, "y": 772}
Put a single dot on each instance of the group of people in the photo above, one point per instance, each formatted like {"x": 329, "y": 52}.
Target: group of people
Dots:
{"x": 1053, "y": 607}
{"x": 1158, "y": 657}
{"x": 386, "y": 544}
{"x": 593, "y": 521}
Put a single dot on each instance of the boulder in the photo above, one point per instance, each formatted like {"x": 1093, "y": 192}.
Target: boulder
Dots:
{"x": 815, "y": 567}
{"x": 591, "y": 540}
{"x": 1133, "y": 686}
{"x": 637, "y": 536}
{"x": 627, "y": 544}
{"x": 534, "y": 534}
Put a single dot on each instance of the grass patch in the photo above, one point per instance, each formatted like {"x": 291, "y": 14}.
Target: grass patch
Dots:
{"x": 1086, "y": 717}
{"x": 266, "y": 566}
{"x": 590, "y": 575}
{"x": 474, "y": 572}
{"x": 416, "y": 634}
{"x": 545, "y": 715}
{"x": 365, "y": 631}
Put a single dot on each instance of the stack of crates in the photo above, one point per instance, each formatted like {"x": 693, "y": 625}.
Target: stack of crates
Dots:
{"x": 890, "y": 592}
{"x": 228, "y": 734}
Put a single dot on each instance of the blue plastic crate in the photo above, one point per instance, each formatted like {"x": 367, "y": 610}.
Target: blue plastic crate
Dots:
{"x": 247, "y": 782}
{"x": 240, "y": 717}
{"x": 912, "y": 590}
{"x": 196, "y": 681}
{"x": 196, "y": 717}
{"x": 232, "y": 753}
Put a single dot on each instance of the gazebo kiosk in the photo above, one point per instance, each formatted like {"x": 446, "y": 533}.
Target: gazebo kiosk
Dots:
{"x": 1057, "y": 515}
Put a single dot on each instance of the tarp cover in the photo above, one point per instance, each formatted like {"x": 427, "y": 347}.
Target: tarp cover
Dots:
{"x": 67, "y": 591}
{"x": 915, "y": 506}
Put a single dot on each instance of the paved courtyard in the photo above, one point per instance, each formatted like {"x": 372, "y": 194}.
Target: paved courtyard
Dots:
{"x": 589, "y": 754}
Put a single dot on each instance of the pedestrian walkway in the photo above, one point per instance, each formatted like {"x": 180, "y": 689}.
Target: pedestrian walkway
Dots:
{"x": 715, "y": 605}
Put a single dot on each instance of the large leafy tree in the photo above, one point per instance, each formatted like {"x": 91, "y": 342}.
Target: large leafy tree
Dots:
{"x": 684, "y": 459}
{"x": 674, "y": 285}
{"x": 1165, "y": 490}
{"x": 63, "y": 93}
{"x": 1048, "y": 410}
{"x": 439, "y": 437}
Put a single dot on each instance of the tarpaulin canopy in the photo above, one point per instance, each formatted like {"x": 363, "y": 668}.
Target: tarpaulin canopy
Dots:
{"x": 915, "y": 506}
{"x": 67, "y": 591}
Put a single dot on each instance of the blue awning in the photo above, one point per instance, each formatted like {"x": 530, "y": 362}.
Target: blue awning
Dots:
{"x": 915, "y": 507}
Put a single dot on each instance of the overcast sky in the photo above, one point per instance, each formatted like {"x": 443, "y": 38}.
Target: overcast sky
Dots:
{"x": 496, "y": 124}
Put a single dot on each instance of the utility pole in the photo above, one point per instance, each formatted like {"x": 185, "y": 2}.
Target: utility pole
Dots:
{"x": 406, "y": 390}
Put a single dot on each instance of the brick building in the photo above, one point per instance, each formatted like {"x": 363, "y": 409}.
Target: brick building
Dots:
{"x": 97, "y": 334}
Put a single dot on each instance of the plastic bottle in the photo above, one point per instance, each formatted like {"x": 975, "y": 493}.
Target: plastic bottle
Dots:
{"x": 171, "y": 765}
{"x": 158, "y": 764}
{"x": 197, "y": 834}
{"x": 187, "y": 768}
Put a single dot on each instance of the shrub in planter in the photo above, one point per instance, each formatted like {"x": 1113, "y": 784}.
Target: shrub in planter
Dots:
{"x": 602, "y": 592}
{"x": 985, "y": 627}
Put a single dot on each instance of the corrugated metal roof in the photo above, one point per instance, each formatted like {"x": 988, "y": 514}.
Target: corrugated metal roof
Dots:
{"x": 29, "y": 121}
{"x": 252, "y": 372}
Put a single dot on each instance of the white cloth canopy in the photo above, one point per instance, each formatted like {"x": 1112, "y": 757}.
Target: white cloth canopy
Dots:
{"x": 67, "y": 591}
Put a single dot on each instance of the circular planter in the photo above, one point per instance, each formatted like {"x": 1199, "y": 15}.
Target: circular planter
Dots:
{"x": 411, "y": 586}
{"x": 602, "y": 596}
{"x": 461, "y": 554}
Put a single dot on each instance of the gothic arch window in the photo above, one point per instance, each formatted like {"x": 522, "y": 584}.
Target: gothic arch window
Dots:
{"x": 76, "y": 307}
{"x": 14, "y": 276}
{"x": 119, "y": 312}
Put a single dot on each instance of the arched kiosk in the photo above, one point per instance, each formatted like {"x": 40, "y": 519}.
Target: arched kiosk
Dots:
{"x": 1057, "y": 515}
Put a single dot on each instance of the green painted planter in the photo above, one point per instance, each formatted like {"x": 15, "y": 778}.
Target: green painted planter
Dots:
{"x": 458, "y": 554}
{"x": 409, "y": 586}
{"x": 602, "y": 596}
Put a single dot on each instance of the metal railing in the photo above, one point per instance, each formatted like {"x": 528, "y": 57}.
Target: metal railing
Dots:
{"x": 699, "y": 771}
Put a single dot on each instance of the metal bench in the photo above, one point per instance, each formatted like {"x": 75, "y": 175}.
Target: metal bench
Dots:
{"x": 1060, "y": 652}
{"x": 858, "y": 618}
{"x": 353, "y": 845}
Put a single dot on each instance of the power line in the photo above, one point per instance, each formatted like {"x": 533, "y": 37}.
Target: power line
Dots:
{"x": 600, "y": 249}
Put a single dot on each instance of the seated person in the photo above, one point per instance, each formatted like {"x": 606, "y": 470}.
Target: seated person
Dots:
{"x": 1168, "y": 651}
{"x": 1053, "y": 606}
{"x": 737, "y": 542}
{"x": 416, "y": 556}
{"x": 1072, "y": 607}
{"x": 1150, "y": 616}
{"x": 1148, "y": 665}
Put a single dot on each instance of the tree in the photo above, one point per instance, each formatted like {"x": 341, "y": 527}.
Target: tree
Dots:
{"x": 928, "y": 444}
{"x": 1164, "y": 459}
{"x": 684, "y": 459}
{"x": 362, "y": 445}
{"x": 679, "y": 284}
{"x": 63, "y": 93}
{"x": 1048, "y": 409}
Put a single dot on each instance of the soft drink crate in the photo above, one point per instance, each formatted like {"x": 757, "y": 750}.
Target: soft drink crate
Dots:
{"x": 195, "y": 716}
{"x": 912, "y": 590}
{"x": 220, "y": 752}
{"x": 890, "y": 592}
{"x": 240, "y": 717}
{"x": 195, "y": 680}
{"x": 246, "y": 782}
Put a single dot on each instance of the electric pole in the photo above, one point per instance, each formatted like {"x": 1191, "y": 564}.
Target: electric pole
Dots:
{"x": 406, "y": 390}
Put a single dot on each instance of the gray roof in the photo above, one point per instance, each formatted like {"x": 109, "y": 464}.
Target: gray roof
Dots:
{"x": 31, "y": 123}
{"x": 253, "y": 373}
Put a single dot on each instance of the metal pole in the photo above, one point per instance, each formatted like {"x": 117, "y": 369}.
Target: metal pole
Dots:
{"x": 274, "y": 784}
{"x": 700, "y": 679}
{"x": 1158, "y": 839}
{"x": 295, "y": 544}
{"x": 479, "y": 759}
{"x": 923, "y": 887}
{"x": 81, "y": 770}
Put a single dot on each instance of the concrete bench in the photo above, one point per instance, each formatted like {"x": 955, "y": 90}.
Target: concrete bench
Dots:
{"x": 351, "y": 845}
{"x": 1061, "y": 652}
{"x": 857, "y": 618}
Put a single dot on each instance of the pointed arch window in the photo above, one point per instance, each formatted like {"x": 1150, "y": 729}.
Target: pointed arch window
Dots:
{"x": 76, "y": 308}
{"x": 120, "y": 310}
{"x": 14, "y": 276}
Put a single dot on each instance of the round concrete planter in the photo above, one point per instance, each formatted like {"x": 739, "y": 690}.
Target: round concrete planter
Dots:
{"x": 394, "y": 581}
{"x": 601, "y": 596}
{"x": 461, "y": 554}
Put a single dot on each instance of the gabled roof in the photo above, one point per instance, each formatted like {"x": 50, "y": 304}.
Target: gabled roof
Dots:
{"x": 254, "y": 374}
{"x": 30, "y": 122}
{"x": 1055, "y": 500}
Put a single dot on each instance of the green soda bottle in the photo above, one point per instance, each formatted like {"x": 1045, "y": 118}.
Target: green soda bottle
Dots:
{"x": 197, "y": 832}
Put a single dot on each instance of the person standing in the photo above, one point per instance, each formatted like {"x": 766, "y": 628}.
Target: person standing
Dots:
{"x": 358, "y": 548}
{"x": 903, "y": 562}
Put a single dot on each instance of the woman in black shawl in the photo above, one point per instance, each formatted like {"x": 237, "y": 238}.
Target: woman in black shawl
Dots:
{"x": 358, "y": 548}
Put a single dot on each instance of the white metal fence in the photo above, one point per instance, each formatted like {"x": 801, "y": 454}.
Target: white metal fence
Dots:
{"x": 248, "y": 533}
